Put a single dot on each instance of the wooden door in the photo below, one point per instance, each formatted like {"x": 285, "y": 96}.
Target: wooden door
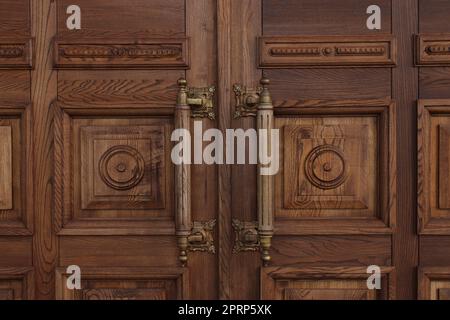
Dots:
{"x": 86, "y": 117}
{"x": 344, "y": 98}
{"x": 433, "y": 61}
{"x": 87, "y": 179}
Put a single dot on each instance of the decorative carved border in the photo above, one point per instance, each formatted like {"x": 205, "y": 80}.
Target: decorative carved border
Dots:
{"x": 270, "y": 275}
{"x": 16, "y": 53}
{"x": 141, "y": 54}
{"x": 428, "y": 224}
{"x": 385, "y": 220}
{"x": 433, "y": 49}
{"x": 428, "y": 275}
{"x": 180, "y": 275}
{"x": 325, "y": 51}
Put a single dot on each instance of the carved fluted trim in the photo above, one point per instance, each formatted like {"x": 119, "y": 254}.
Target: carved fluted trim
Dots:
{"x": 183, "y": 178}
{"x": 265, "y": 121}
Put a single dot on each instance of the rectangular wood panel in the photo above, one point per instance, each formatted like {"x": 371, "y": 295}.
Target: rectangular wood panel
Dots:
{"x": 324, "y": 283}
{"x": 6, "y": 185}
{"x": 159, "y": 53}
{"x": 318, "y": 51}
{"x": 433, "y": 49}
{"x": 126, "y": 284}
{"x": 16, "y": 54}
{"x": 433, "y": 171}
{"x": 338, "y": 164}
{"x": 434, "y": 283}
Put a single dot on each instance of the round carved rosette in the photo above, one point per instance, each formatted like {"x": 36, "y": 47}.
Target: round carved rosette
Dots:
{"x": 122, "y": 167}
{"x": 326, "y": 167}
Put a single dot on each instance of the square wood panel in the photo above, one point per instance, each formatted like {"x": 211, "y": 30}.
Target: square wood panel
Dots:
{"x": 434, "y": 174}
{"x": 434, "y": 283}
{"x": 125, "y": 284}
{"x": 15, "y": 168}
{"x": 16, "y": 284}
{"x": 117, "y": 173}
{"x": 322, "y": 283}
{"x": 338, "y": 169}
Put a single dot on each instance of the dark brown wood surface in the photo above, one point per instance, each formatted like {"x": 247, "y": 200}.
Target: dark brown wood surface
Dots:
{"x": 86, "y": 176}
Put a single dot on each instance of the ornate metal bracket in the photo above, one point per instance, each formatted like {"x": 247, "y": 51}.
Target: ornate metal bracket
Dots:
{"x": 202, "y": 102}
{"x": 201, "y": 237}
{"x": 247, "y": 238}
{"x": 247, "y": 100}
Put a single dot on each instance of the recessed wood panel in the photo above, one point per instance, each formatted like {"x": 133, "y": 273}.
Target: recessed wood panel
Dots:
{"x": 116, "y": 19}
{"x": 341, "y": 283}
{"x": 6, "y": 185}
{"x": 15, "y": 86}
{"x": 126, "y": 284}
{"x": 321, "y": 51}
{"x": 312, "y": 17}
{"x": 16, "y": 284}
{"x": 434, "y": 283}
{"x": 15, "y": 207}
{"x": 338, "y": 168}
{"x": 117, "y": 171}
{"x": 158, "y": 54}
{"x": 433, "y": 152}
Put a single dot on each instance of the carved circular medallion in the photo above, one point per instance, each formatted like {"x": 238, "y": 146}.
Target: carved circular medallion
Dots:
{"x": 122, "y": 167}
{"x": 325, "y": 167}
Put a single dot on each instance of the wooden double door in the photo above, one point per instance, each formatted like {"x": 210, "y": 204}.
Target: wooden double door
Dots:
{"x": 90, "y": 93}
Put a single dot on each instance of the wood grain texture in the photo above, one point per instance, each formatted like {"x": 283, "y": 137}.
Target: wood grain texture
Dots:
{"x": 15, "y": 18}
{"x": 43, "y": 92}
{"x": 246, "y": 28}
{"x": 138, "y": 19}
{"x": 114, "y": 88}
{"x": 434, "y": 251}
{"x": 291, "y": 86}
{"x": 327, "y": 283}
{"x": 201, "y": 29}
{"x": 15, "y": 86}
{"x": 314, "y": 17}
{"x": 126, "y": 284}
{"x": 329, "y": 250}
{"x": 405, "y": 240}
{"x": 434, "y": 82}
{"x": 433, "y": 49}
{"x": 224, "y": 43}
{"x": 434, "y": 16}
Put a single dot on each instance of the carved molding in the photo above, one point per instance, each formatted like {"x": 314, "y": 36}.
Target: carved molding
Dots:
{"x": 152, "y": 54}
{"x": 307, "y": 51}
{"x": 122, "y": 167}
{"x": 16, "y": 54}
{"x": 326, "y": 167}
{"x": 433, "y": 49}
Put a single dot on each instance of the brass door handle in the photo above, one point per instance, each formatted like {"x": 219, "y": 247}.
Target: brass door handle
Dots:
{"x": 253, "y": 236}
{"x": 192, "y": 236}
